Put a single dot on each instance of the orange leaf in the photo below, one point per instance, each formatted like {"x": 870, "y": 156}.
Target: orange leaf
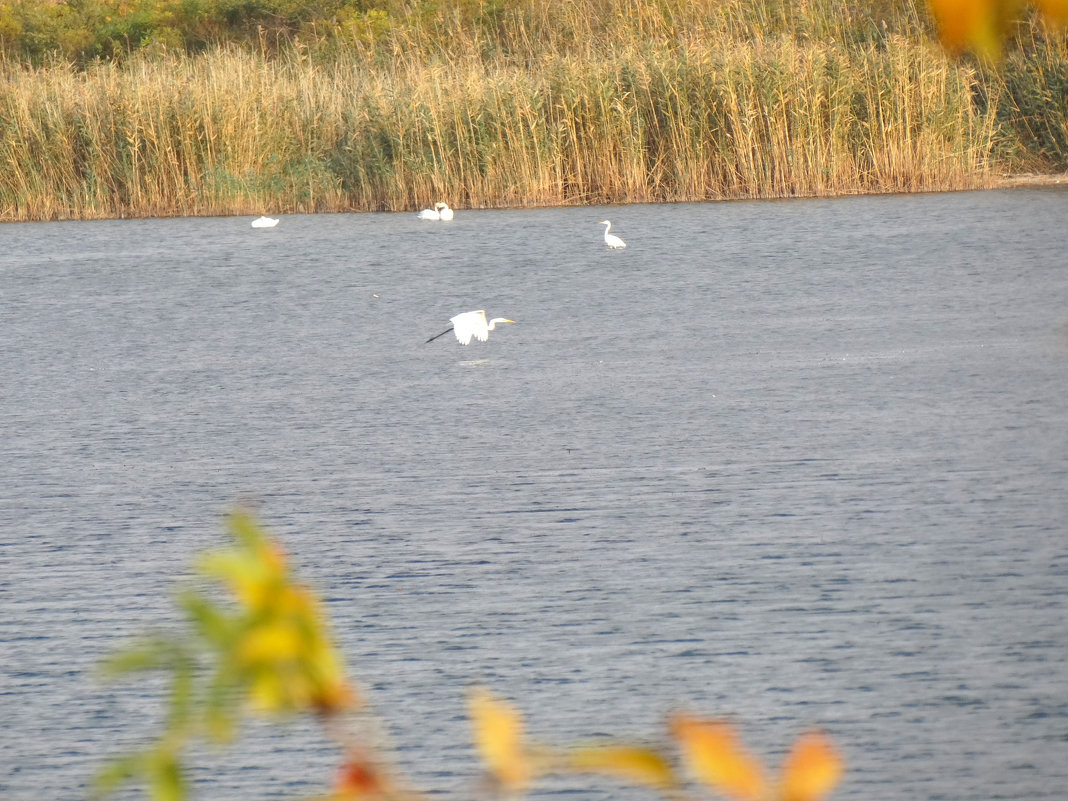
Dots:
{"x": 811, "y": 770}
{"x": 360, "y": 778}
{"x": 334, "y": 696}
{"x": 498, "y": 732}
{"x": 718, "y": 759}
{"x": 1055, "y": 11}
{"x": 976, "y": 25}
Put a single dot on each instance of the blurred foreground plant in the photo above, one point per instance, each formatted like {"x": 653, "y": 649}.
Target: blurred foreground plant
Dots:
{"x": 982, "y": 26}
{"x": 268, "y": 652}
{"x": 710, "y": 750}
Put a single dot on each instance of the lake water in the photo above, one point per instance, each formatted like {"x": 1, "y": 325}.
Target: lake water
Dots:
{"x": 794, "y": 463}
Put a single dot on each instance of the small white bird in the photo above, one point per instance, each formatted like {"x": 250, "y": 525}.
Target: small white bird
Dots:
{"x": 264, "y": 222}
{"x": 441, "y": 211}
{"x": 611, "y": 240}
{"x": 471, "y": 324}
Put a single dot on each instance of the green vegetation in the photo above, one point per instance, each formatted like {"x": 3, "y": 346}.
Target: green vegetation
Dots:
{"x": 158, "y": 107}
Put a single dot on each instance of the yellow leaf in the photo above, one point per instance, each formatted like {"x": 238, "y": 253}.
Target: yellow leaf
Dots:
{"x": 255, "y": 569}
{"x": 251, "y": 580}
{"x": 718, "y": 759}
{"x": 268, "y": 692}
{"x": 285, "y": 654}
{"x": 812, "y": 769}
{"x": 273, "y": 558}
{"x": 277, "y": 642}
{"x": 294, "y": 599}
{"x": 628, "y": 762}
{"x": 498, "y": 733}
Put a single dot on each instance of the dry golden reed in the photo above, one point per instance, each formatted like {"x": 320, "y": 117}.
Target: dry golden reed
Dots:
{"x": 587, "y": 102}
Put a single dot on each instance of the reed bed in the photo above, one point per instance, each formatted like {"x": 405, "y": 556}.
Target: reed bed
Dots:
{"x": 558, "y": 107}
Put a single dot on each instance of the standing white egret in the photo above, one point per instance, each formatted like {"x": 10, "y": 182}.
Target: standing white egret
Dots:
{"x": 471, "y": 324}
{"x": 264, "y": 222}
{"x": 611, "y": 240}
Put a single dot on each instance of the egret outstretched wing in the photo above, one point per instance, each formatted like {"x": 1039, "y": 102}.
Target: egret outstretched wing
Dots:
{"x": 471, "y": 325}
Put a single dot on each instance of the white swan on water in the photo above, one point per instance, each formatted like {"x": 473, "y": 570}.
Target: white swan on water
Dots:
{"x": 471, "y": 324}
{"x": 611, "y": 240}
{"x": 264, "y": 222}
{"x": 441, "y": 211}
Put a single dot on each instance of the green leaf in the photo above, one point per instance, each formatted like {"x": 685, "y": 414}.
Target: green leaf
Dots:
{"x": 117, "y": 772}
{"x": 182, "y": 694}
{"x": 222, "y": 705}
{"x": 209, "y": 621}
{"x": 151, "y": 653}
{"x": 167, "y": 782}
{"x": 245, "y": 530}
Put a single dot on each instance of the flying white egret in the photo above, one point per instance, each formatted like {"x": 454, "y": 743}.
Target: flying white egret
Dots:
{"x": 471, "y": 324}
{"x": 611, "y": 240}
{"x": 264, "y": 222}
{"x": 441, "y": 211}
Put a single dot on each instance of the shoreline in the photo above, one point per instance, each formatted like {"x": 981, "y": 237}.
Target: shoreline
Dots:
{"x": 1026, "y": 180}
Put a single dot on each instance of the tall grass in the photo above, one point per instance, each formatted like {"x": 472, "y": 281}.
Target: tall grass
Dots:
{"x": 527, "y": 104}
